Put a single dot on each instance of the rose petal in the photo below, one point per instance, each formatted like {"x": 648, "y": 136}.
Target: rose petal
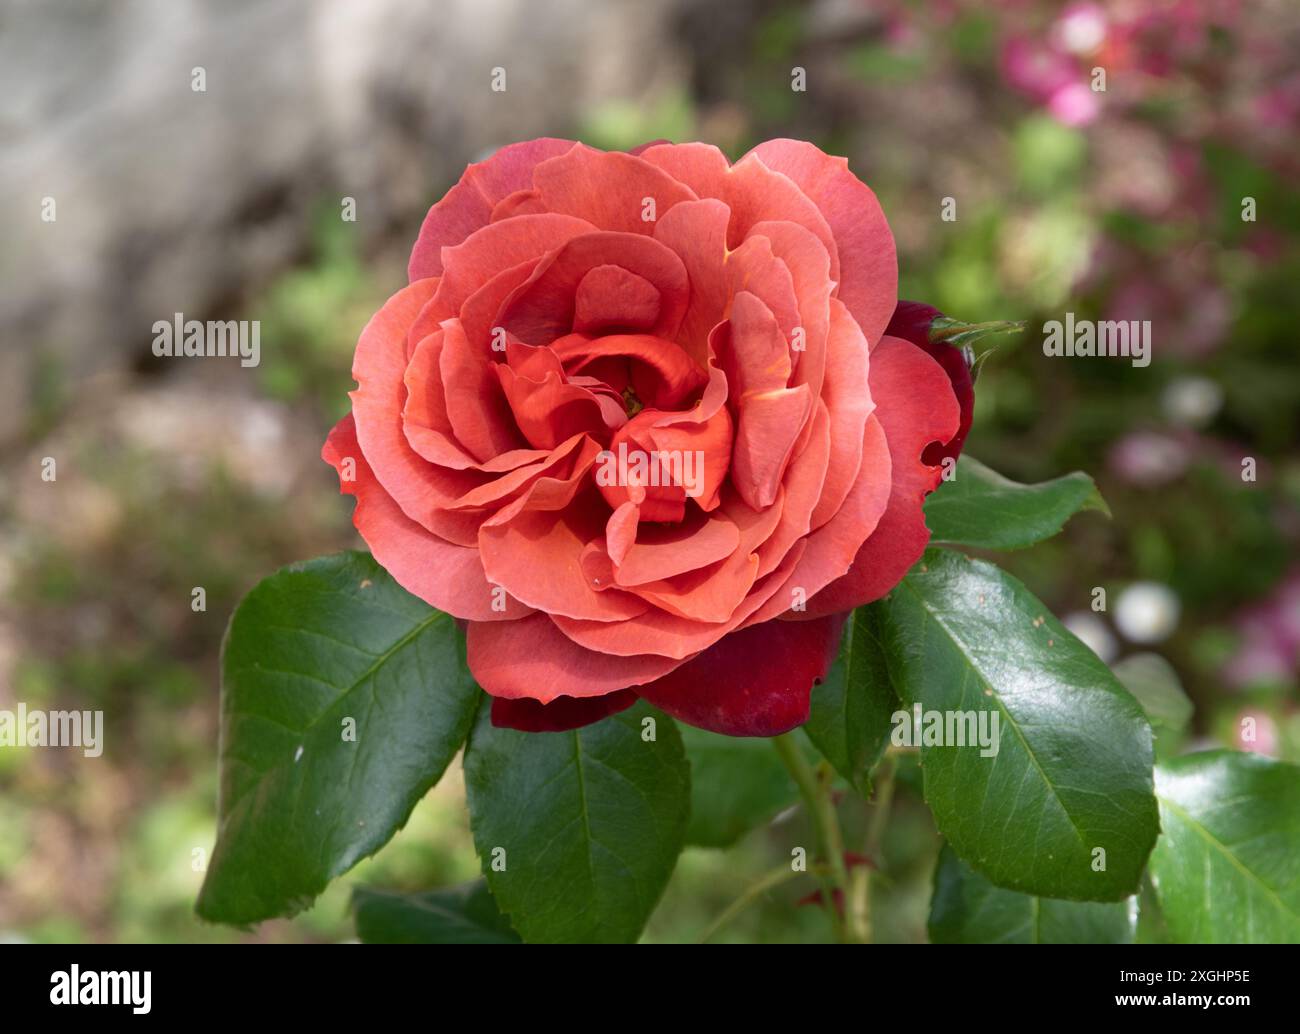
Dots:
{"x": 561, "y": 715}
{"x": 696, "y": 231}
{"x": 802, "y": 488}
{"x": 559, "y": 463}
{"x": 868, "y": 275}
{"x": 610, "y": 299}
{"x": 847, "y": 393}
{"x": 756, "y": 682}
{"x": 806, "y": 259}
{"x": 831, "y": 550}
{"x": 769, "y": 416}
{"x": 497, "y": 246}
{"x": 751, "y": 189}
{"x": 916, "y": 406}
{"x": 662, "y": 374}
{"x": 424, "y": 417}
{"x": 538, "y": 554}
{"x": 911, "y": 322}
{"x": 532, "y": 659}
{"x": 421, "y": 489}
{"x": 444, "y": 575}
{"x": 705, "y": 445}
{"x": 608, "y": 189}
{"x": 477, "y": 408}
{"x": 664, "y": 550}
{"x": 542, "y": 308}
{"x": 545, "y": 406}
{"x": 521, "y": 202}
{"x": 663, "y": 634}
{"x": 468, "y": 205}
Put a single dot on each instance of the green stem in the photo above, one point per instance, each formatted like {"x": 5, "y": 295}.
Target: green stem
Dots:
{"x": 774, "y": 879}
{"x": 875, "y": 835}
{"x": 815, "y": 790}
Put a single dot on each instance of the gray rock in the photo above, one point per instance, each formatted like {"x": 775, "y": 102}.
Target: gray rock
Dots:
{"x": 169, "y": 200}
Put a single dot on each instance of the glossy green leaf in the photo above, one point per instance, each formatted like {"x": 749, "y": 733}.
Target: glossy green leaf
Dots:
{"x": 1227, "y": 867}
{"x": 1062, "y": 806}
{"x": 737, "y": 784}
{"x": 451, "y": 915}
{"x": 343, "y": 700}
{"x": 849, "y": 722}
{"x": 578, "y": 832}
{"x": 1155, "y": 684}
{"x": 968, "y": 909}
{"x": 982, "y": 509}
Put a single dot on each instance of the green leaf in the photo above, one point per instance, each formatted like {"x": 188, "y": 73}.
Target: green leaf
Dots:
{"x": 1155, "y": 684}
{"x": 960, "y": 334}
{"x": 849, "y": 722}
{"x": 452, "y": 915}
{"x": 578, "y": 832}
{"x": 1227, "y": 867}
{"x": 982, "y": 509}
{"x": 737, "y": 784}
{"x": 968, "y": 909}
{"x": 301, "y": 800}
{"x": 1071, "y": 774}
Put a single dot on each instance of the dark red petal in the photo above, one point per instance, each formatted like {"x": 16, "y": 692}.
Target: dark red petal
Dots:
{"x": 911, "y": 321}
{"x": 561, "y": 714}
{"x": 755, "y": 682}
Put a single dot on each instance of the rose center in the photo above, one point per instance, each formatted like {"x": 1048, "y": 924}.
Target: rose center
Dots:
{"x": 631, "y": 404}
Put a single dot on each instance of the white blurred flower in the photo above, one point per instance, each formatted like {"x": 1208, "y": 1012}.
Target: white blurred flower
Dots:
{"x": 1192, "y": 401}
{"x": 1147, "y": 612}
{"x": 1094, "y": 633}
{"x": 1081, "y": 29}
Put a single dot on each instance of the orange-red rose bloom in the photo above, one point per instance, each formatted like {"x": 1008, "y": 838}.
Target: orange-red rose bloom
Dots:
{"x": 637, "y": 421}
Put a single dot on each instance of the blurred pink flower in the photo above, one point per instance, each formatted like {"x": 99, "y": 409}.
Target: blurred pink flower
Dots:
{"x": 1256, "y": 732}
{"x": 1270, "y": 638}
{"x": 1149, "y": 459}
{"x": 1279, "y": 107}
{"x": 1036, "y": 69}
{"x": 1074, "y": 104}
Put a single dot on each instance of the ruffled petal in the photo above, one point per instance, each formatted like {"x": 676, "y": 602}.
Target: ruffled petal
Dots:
{"x": 469, "y": 204}
{"x": 916, "y": 406}
{"x": 538, "y": 553}
{"x": 444, "y": 575}
{"x": 662, "y": 374}
{"x": 543, "y": 307}
{"x": 696, "y": 231}
{"x": 868, "y": 274}
{"x": 477, "y": 408}
{"x": 751, "y": 189}
{"x": 608, "y": 188}
{"x": 421, "y": 489}
{"x": 847, "y": 392}
{"x": 533, "y": 659}
{"x": 484, "y": 253}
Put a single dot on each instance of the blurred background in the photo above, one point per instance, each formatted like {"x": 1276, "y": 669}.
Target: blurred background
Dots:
{"x": 225, "y": 203}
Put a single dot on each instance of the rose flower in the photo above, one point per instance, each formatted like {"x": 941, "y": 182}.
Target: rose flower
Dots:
{"x": 638, "y": 420}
